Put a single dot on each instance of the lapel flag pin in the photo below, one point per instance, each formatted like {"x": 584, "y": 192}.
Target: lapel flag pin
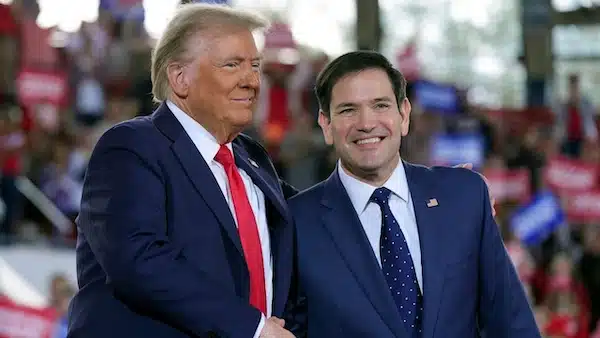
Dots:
{"x": 432, "y": 203}
{"x": 254, "y": 164}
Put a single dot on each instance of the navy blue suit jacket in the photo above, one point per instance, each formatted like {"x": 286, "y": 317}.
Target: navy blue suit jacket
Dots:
{"x": 470, "y": 286}
{"x": 158, "y": 252}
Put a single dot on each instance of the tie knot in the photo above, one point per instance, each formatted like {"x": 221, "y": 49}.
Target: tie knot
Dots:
{"x": 381, "y": 196}
{"x": 224, "y": 156}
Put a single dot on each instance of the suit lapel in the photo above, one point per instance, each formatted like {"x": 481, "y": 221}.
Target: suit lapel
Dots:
{"x": 431, "y": 236}
{"x": 347, "y": 233}
{"x": 281, "y": 250}
{"x": 204, "y": 182}
{"x": 198, "y": 171}
{"x": 268, "y": 185}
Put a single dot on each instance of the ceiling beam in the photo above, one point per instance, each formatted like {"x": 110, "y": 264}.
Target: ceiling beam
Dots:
{"x": 580, "y": 16}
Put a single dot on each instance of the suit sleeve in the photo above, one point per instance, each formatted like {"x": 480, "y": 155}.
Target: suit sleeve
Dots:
{"x": 296, "y": 310}
{"x": 504, "y": 310}
{"x": 123, "y": 218}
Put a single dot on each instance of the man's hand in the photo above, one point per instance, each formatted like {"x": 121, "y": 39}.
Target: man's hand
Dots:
{"x": 274, "y": 329}
{"x": 492, "y": 200}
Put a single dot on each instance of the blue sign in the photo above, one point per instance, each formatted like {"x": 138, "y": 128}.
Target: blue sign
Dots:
{"x": 436, "y": 97}
{"x": 124, "y": 9}
{"x": 534, "y": 222}
{"x": 453, "y": 149}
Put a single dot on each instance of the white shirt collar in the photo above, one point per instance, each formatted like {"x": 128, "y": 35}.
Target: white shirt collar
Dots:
{"x": 360, "y": 192}
{"x": 205, "y": 142}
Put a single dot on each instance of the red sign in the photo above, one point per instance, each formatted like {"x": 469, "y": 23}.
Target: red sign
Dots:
{"x": 582, "y": 207}
{"x": 42, "y": 87}
{"x": 509, "y": 185}
{"x": 24, "y": 322}
{"x": 568, "y": 175}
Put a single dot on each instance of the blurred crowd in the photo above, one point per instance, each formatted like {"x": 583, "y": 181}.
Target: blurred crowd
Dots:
{"x": 60, "y": 92}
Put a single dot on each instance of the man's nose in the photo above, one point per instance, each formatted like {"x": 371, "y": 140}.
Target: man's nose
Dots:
{"x": 366, "y": 120}
{"x": 250, "y": 79}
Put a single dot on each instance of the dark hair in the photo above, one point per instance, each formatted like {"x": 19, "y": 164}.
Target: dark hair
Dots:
{"x": 573, "y": 78}
{"x": 355, "y": 62}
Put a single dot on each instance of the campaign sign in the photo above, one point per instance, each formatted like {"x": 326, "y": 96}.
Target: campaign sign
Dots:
{"x": 582, "y": 207}
{"x": 24, "y": 322}
{"x": 42, "y": 87}
{"x": 566, "y": 175}
{"x": 450, "y": 149}
{"x": 535, "y": 221}
{"x": 436, "y": 97}
{"x": 509, "y": 185}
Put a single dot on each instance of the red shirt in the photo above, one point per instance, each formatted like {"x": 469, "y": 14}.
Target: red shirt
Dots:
{"x": 12, "y": 162}
{"x": 574, "y": 126}
{"x": 8, "y": 25}
{"x": 11, "y": 165}
{"x": 561, "y": 325}
{"x": 278, "y": 117}
{"x": 278, "y": 104}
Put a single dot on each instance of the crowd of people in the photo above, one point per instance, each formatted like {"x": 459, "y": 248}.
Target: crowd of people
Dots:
{"x": 102, "y": 77}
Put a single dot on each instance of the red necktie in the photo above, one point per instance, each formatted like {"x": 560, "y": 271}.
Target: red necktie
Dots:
{"x": 247, "y": 229}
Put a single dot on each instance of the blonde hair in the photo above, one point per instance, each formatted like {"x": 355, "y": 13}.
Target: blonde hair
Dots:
{"x": 188, "y": 20}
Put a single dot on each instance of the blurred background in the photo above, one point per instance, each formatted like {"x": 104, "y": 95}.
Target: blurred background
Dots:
{"x": 511, "y": 86}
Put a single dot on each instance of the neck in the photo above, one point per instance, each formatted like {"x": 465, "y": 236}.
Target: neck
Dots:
{"x": 221, "y": 131}
{"x": 376, "y": 177}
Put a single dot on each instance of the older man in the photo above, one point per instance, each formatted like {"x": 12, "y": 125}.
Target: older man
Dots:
{"x": 184, "y": 230}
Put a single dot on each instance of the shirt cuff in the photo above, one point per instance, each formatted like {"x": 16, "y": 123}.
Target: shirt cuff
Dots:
{"x": 261, "y": 324}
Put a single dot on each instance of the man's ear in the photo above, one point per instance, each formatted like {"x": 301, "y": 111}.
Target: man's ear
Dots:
{"x": 405, "y": 110}
{"x": 178, "y": 79}
{"x": 325, "y": 124}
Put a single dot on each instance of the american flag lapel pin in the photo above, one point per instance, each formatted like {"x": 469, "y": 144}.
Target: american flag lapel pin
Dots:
{"x": 432, "y": 203}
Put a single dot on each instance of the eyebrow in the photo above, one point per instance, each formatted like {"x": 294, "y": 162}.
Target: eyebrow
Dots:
{"x": 353, "y": 104}
{"x": 382, "y": 99}
{"x": 242, "y": 59}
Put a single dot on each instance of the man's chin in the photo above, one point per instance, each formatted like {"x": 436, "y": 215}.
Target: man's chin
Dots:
{"x": 369, "y": 167}
{"x": 365, "y": 167}
{"x": 369, "y": 164}
{"x": 242, "y": 119}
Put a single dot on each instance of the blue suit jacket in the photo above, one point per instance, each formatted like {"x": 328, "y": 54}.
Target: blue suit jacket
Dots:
{"x": 158, "y": 252}
{"x": 470, "y": 286}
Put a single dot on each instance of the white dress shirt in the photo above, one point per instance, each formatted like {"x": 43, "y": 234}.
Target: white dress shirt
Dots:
{"x": 370, "y": 213}
{"x": 208, "y": 147}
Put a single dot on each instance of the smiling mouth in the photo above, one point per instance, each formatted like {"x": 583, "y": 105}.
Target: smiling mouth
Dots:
{"x": 370, "y": 140}
{"x": 246, "y": 100}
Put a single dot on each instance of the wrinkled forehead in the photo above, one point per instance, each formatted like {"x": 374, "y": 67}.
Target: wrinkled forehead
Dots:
{"x": 223, "y": 42}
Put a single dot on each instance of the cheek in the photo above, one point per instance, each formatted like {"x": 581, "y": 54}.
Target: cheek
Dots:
{"x": 199, "y": 88}
{"x": 210, "y": 86}
{"x": 340, "y": 133}
{"x": 395, "y": 126}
